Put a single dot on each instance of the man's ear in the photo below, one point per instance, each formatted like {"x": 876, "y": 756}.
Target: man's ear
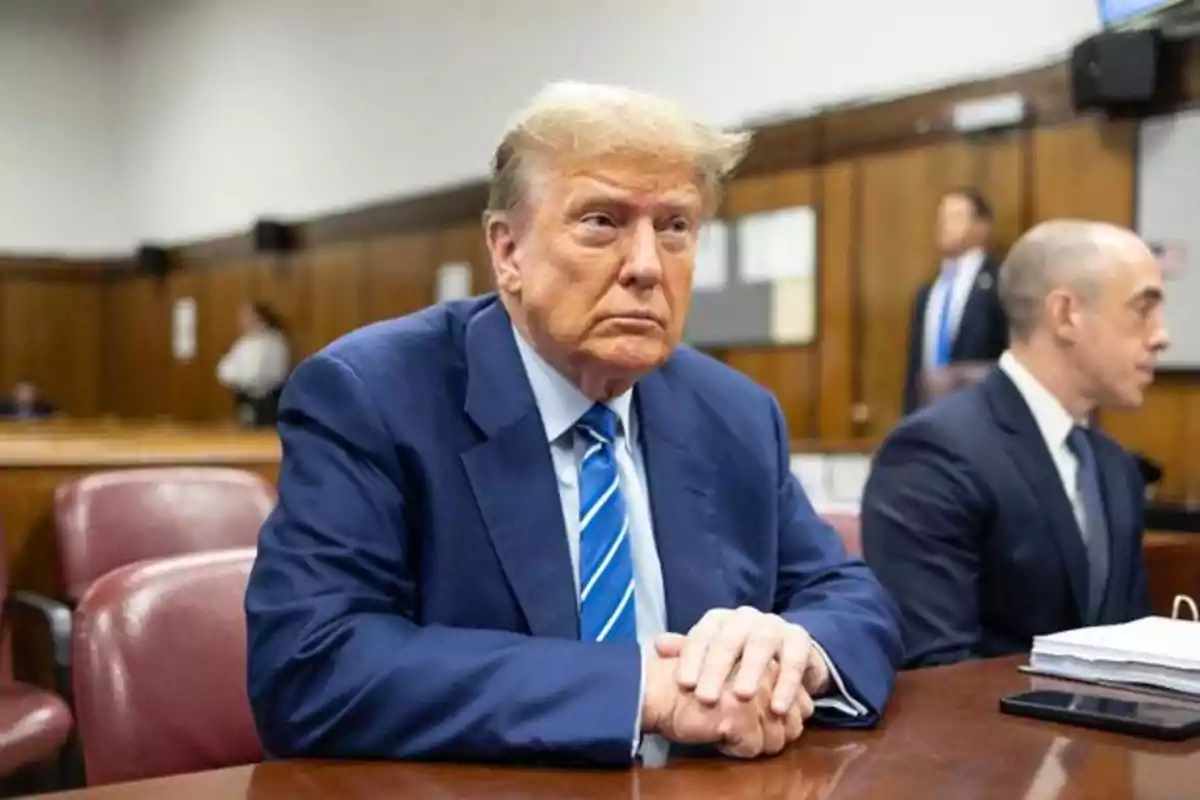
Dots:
{"x": 1063, "y": 310}
{"x": 502, "y": 245}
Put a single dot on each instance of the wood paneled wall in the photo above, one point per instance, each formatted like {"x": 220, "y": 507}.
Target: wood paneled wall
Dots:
{"x": 50, "y": 318}
{"x": 320, "y": 294}
{"x": 875, "y": 192}
{"x": 876, "y": 246}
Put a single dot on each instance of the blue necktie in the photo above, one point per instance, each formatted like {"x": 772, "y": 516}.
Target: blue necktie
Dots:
{"x": 1095, "y": 535}
{"x": 607, "y": 607}
{"x": 945, "y": 340}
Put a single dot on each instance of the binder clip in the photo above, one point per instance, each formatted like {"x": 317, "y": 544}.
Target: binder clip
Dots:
{"x": 1184, "y": 600}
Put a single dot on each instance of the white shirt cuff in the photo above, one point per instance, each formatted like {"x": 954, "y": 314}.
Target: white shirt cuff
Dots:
{"x": 838, "y": 699}
{"x": 637, "y": 719}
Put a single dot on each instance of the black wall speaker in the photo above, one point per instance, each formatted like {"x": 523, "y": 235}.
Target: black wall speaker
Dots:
{"x": 1117, "y": 69}
{"x": 153, "y": 260}
{"x": 273, "y": 237}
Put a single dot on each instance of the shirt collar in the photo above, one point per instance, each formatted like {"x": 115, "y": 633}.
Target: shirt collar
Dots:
{"x": 969, "y": 263}
{"x": 1052, "y": 418}
{"x": 559, "y": 401}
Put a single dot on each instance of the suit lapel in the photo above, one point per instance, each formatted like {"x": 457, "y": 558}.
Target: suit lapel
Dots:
{"x": 681, "y": 478}
{"x": 1027, "y": 448}
{"x": 973, "y": 313}
{"x": 511, "y": 474}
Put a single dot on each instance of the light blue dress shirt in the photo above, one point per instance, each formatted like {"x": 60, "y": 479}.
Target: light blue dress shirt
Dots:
{"x": 561, "y": 404}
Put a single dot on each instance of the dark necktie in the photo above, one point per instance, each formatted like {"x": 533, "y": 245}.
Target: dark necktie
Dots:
{"x": 1095, "y": 532}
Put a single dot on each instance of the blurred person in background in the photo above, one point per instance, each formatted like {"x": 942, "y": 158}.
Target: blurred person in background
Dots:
{"x": 958, "y": 327}
{"x": 25, "y": 403}
{"x": 257, "y": 365}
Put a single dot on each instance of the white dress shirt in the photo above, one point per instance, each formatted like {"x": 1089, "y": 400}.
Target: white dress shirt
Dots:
{"x": 1055, "y": 423}
{"x": 967, "y": 268}
{"x": 561, "y": 404}
{"x": 257, "y": 363}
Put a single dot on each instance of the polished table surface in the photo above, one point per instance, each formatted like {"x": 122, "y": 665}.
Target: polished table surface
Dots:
{"x": 942, "y": 737}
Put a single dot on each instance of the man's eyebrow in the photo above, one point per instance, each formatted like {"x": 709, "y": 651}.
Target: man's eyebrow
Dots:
{"x": 1149, "y": 294}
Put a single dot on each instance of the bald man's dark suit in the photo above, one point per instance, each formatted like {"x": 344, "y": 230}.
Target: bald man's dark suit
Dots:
{"x": 966, "y": 522}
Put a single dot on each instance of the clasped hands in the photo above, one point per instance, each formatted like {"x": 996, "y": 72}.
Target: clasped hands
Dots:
{"x": 740, "y": 679}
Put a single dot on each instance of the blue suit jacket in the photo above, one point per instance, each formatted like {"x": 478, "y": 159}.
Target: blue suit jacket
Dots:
{"x": 966, "y": 522}
{"x": 413, "y": 597}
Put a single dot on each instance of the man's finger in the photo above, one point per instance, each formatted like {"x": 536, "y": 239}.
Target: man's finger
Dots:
{"x": 723, "y": 653}
{"x": 694, "y": 649}
{"x": 669, "y": 645}
{"x": 804, "y": 704}
{"x": 745, "y": 740}
{"x": 794, "y": 654}
{"x": 763, "y": 644}
{"x": 816, "y": 674}
{"x": 793, "y": 721}
{"x": 774, "y": 735}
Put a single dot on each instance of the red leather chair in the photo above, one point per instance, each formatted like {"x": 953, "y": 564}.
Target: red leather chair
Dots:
{"x": 34, "y": 724}
{"x": 108, "y": 519}
{"x": 159, "y": 651}
{"x": 847, "y": 526}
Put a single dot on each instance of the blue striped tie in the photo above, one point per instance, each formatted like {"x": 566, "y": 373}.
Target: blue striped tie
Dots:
{"x": 607, "y": 608}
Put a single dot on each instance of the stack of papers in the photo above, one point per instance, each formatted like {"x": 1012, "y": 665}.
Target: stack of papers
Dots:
{"x": 1154, "y": 651}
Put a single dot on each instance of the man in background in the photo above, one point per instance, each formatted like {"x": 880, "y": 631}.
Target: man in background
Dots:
{"x": 25, "y": 403}
{"x": 257, "y": 365}
{"x": 1001, "y": 513}
{"x": 958, "y": 327}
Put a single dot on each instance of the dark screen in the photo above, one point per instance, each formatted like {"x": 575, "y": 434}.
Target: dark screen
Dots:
{"x": 1158, "y": 714}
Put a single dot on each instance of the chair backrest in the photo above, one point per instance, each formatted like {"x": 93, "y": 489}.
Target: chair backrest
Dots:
{"x": 847, "y": 526}
{"x": 109, "y": 519}
{"x": 159, "y": 668}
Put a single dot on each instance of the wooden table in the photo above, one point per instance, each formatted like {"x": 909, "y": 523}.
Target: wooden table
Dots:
{"x": 942, "y": 737}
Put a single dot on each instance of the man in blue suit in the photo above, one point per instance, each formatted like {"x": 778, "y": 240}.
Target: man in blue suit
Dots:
{"x": 958, "y": 326}
{"x": 1001, "y": 513}
{"x": 529, "y": 527}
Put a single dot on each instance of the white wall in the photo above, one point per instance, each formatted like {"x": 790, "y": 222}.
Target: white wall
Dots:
{"x": 295, "y": 107}
{"x": 234, "y": 109}
{"x": 60, "y": 190}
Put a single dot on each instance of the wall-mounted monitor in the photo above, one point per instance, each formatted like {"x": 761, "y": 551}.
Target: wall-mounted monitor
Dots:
{"x": 1120, "y": 12}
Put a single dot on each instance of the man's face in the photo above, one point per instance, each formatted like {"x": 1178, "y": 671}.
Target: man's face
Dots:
{"x": 958, "y": 228}
{"x": 600, "y": 260}
{"x": 1122, "y": 332}
{"x": 24, "y": 393}
{"x": 247, "y": 319}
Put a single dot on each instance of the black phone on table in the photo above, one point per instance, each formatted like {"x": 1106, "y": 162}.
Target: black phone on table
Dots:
{"x": 1149, "y": 718}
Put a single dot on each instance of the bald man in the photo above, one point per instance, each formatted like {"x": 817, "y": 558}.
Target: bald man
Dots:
{"x": 999, "y": 513}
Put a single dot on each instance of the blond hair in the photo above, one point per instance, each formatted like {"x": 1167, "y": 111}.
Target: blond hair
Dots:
{"x": 583, "y": 120}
